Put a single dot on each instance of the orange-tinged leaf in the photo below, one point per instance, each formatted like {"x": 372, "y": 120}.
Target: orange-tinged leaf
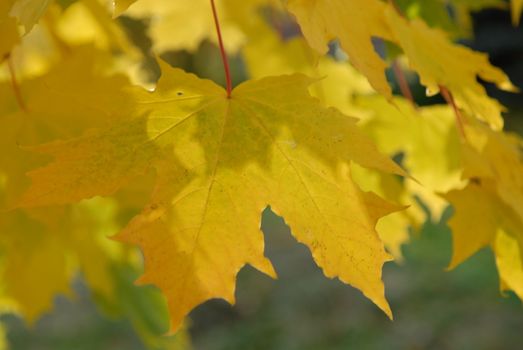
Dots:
{"x": 220, "y": 161}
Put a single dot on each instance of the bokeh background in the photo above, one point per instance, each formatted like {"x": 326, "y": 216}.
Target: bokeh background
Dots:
{"x": 434, "y": 308}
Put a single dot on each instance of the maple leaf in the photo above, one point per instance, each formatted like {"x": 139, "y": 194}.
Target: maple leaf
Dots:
{"x": 172, "y": 29}
{"x": 8, "y": 28}
{"x": 482, "y": 219}
{"x": 119, "y": 6}
{"x": 495, "y": 158}
{"x": 393, "y": 229}
{"x": 32, "y": 256}
{"x": 438, "y": 61}
{"x": 509, "y": 261}
{"x": 266, "y": 54}
{"x": 29, "y": 12}
{"x": 454, "y": 16}
{"x": 429, "y": 52}
{"x": 428, "y": 141}
{"x": 517, "y": 8}
{"x": 219, "y": 163}
{"x": 479, "y": 215}
{"x": 45, "y": 247}
{"x": 427, "y": 136}
{"x": 354, "y": 23}
{"x": 488, "y": 212}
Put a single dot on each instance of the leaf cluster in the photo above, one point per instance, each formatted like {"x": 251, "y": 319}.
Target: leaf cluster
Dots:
{"x": 93, "y": 145}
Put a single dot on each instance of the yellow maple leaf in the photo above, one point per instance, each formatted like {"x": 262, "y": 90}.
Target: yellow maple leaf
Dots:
{"x": 428, "y": 141}
{"x": 82, "y": 23}
{"x": 8, "y": 28}
{"x": 431, "y": 54}
{"x": 427, "y": 138}
{"x": 354, "y": 23}
{"x": 183, "y": 25}
{"x": 32, "y": 256}
{"x": 496, "y": 157}
{"x": 393, "y": 229}
{"x": 88, "y": 22}
{"x": 489, "y": 211}
{"x": 119, "y": 6}
{"x": 479, "y": 214}
{"x": 439, "y": 62}
{"x": 220, "y": 161}
{"x": 267, "y": 53}
{"x": 517, "y": 8}
{"x": 509, "y": 260}
{"x": 29, "y": 12}
{"x": 33, "y": 56}
{"x": 45, "y": 247}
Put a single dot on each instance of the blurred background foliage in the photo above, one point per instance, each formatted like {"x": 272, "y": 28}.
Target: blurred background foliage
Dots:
{"x": 434, "y": 308}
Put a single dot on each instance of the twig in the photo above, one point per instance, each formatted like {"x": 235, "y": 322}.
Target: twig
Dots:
{"x": 403, "y": 83}
{"x": 222, "y": 50}
{"x": 460, "y": 122}
{"x": 14, "y": 84}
